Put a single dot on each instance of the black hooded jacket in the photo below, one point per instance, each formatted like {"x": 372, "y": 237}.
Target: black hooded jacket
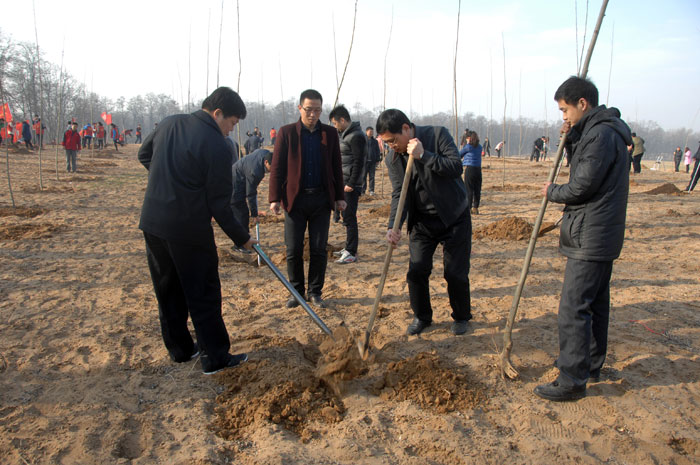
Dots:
{"x": 593, "y": 227}
{"x": 353, "y": 152}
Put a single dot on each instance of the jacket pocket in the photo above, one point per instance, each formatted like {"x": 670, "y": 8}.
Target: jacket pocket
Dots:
{"x": 572, "y": 229}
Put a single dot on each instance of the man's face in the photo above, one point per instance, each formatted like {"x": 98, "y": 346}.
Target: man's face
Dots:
{"x": 370, "y": 133}
{"x": 572, "y": 114}
{"x": 75, "y": 127}
{"x": 310, "y": 111}
{"x": 226, "y": 124}
{"x": 340, "y": 124}
{"x": 397, "y": 142}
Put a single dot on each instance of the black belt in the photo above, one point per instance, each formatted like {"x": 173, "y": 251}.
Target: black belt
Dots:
{"x": 313, "y": 190}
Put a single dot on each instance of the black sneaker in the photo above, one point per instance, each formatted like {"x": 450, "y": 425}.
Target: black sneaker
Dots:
{"x": 231, "y": 361}
{"x": 195, "y": 354}
{"x": 417, "y": 326}
{"x": 558, "y": 393}
{"x": 292, "y": 302}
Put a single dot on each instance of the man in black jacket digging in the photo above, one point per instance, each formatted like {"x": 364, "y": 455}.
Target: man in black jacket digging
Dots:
{"x": 189, "y": 182}
{"x": 592, "y": 233}
{"x": 247, "y": 174}
{"x": 436, "y": 210}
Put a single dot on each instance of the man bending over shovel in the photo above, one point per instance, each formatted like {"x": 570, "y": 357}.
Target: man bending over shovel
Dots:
{"x": 592, "y": 232}
{"x": 436, "y": 209}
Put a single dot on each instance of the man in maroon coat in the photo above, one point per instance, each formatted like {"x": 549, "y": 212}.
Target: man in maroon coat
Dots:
{"x": 306, "y": 180}
{"x": 71, "y": 142}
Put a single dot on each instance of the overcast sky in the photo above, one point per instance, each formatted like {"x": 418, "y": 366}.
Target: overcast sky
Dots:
{"x": 129, "y": 47}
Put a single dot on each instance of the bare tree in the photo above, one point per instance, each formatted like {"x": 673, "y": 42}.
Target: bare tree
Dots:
{"x": 218, "y": 59}
{"x": 386, "y": 55}
{"x": 459, "y": 9}
{"x": 59, "y": 93}
{"x": 41, "y": 94}
{"x": 352, "y": 40}
{"x": 612, "y": 43}
{"x": 206, "y": 92}
{"x": 505, "y": 105}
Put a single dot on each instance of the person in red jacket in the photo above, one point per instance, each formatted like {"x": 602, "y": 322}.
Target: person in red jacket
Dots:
{"x": 101, "y": 133}
{"x": 71, "y": 142}
{"x": 115, "y": 136}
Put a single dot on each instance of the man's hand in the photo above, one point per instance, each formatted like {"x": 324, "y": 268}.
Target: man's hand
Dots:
{"x": 255, "y": 220}
{"x": 340, "y": 205}
{"x": 249, "y": 245}
{"x": 276, "y": 208}
{"x": 393, "y": 237}
{"x": 348, "y": 189}
{"x": 545, "y": 187}
{"x": 415, "y": 148}
{"x": 565, "y": 127}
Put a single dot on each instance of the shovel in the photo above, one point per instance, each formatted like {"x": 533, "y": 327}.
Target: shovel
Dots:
{"x": 364, "y": 345}
{"x": 257, "y": 238}
{"x": 293, "y": 291}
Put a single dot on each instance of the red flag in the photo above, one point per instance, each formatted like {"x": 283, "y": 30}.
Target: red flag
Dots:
{"x": 106, "y": 117}
{"x": 5, "y": 112}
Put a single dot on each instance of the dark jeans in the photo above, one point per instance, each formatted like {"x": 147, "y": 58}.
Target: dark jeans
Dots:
{"x": 456, "y": 239}
{"x": 472, "y": 180}
{"x": 312, "y": 210}
{"x": 71, "y": 160}
{"x": 535, "y": 155}
{"x": 693, "y": 177}
{"x": 87, "y": 141}
{"x": 370, "y": 169}
{"x": 677, "y": 163}
{"x": 186, "y": 282}
{"x": 138, "y": 139}
{"x": 350, "y": 221}
{"x": 637, "y": 163}
{"x": 99, "y": 143}
{"x": 584, "y": 310}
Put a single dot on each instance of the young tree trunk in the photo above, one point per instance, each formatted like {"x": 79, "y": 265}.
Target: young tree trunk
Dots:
{"x": 218, "y": 59}
{"x": 240, "y": 66}
{"x": 352, "y": 41}
{"x": 386, "y": 55}
{"x": 459, "y": 9}
{"x": 505, "y": 105}
{"x": 206, "y": 92}
{"x": 41, "y": 91}
{"x": 59, "y": 93}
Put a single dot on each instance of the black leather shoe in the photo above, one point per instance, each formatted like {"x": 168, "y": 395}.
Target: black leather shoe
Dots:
{"x": 195, "y": 354}
{"x": 292, "y": 302}
{"x": 460, "y": 327}
{"x": 417, "y": 326}
{"x": 231, "y": 361}
{"x": 317, "y": 301}
{"x": 553, "y": 391}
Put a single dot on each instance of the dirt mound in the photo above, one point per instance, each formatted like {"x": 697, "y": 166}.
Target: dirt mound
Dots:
{"x": 75, "y": 178}
{"x": 24, "y": 212}
{"x": 280, "y": 258}
{"x": 428, "y": 382}
{"x": 510, "y": 228}
{"x": 227, "y": 257}
{"x": 280, "y": 388}
{"x": 15, "y": 232}
{"x": 634, "y": 183}
{"x": 264, "y": 218}
{"x": 673, "y": 213}
{"x": 667, "y": 188}
{"x": 46, "y": 190}
{"x": 380, "y": 212}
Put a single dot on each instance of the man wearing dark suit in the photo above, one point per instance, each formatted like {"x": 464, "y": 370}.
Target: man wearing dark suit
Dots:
{"x": 436, "y": 210}
{"x": 189, "y": 182}
{"x": 306, "y": 179}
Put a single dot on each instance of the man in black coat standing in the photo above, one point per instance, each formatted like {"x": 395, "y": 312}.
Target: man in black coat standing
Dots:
{"x": 373, "y": 157}
{"x": 189, "y": 182}
{"x": 353, "y": 154}
{"x": 592, "y": 233}
{"x": 436, "y": 210}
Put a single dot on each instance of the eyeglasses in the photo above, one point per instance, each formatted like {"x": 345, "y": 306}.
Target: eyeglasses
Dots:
{"x": 309, "y": 111}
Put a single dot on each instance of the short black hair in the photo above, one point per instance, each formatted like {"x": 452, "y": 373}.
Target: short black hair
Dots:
{"x": 391, "y": 120}
{"x": 340, "y": 112}
{"x": 226, "y": 100}
{"x": 268, "y": 156}
{"x": 368, "y": 128}
{"x": 310, "y": 94}
{"x": 576, "y": 88}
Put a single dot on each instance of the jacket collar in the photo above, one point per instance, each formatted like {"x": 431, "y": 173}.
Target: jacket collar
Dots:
{"x": 208, "y": 119}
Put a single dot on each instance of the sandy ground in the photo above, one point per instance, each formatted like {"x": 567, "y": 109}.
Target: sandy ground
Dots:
{"x": 85, "y": 379}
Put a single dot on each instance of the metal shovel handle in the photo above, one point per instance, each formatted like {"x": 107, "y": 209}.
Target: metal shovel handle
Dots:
{"x": 291, "y": 289}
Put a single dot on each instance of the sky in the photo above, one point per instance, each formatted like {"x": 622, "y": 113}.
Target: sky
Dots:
{"x": 646, "y": 61}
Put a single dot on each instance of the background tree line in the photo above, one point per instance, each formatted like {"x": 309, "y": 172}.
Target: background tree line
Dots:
{"x": 23, "y": 75}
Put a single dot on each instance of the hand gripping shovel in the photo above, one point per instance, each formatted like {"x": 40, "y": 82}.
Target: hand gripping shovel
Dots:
{"x": 364, "y": 345}
{"x": 507, "y": 368}
{"x": 293, "y": 291}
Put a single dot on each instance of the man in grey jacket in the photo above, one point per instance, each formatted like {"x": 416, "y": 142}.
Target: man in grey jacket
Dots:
{"x": 592, "y": 233}
{"x": 436, "y": 210}
{"x": 353, "y": 153}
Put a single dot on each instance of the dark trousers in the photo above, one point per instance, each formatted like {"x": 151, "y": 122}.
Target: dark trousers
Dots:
{"x": 535, "y": 155}
{"x": 370, "y": 170}
{"x": 694, "y": 177}
{"x": 239, "y": 205}
{"x": 456, "y": 239}
{"x": 473, "y": 179}
{"x": 138, "y": 139}
{"x": 350, "y": 221}
{"x": 637, "y": 163}
{"x": 584, "y": 310}
{"x": 186, "y": 282}
{"x": 99, "y": 143}
{"x": 312, "y": 210}
{"x": 677, "y": 163}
